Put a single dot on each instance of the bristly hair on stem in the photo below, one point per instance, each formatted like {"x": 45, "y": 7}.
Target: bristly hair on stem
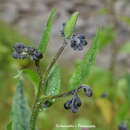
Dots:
{"x": 43, "y": 99}
{"x": 86, "y": 89}
{"x": 43, "y": 80}
{"x": 54, "y": 60}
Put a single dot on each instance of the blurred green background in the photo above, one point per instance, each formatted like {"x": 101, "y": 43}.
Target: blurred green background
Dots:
{"x": 109, "y": 78}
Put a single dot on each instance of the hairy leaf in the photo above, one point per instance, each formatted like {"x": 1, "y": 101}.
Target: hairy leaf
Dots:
{"x": 20, "y": 110}
{"x": 47, "y": 31}
{"x": 70, "y": 25}
{"x": 33, "y": 77}
{"x": 53, "y": 84}
{"x": 83, "y": 68}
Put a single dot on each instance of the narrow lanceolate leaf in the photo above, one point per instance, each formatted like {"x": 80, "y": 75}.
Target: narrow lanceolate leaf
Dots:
{"x": 83, "y": 68}
{"x": 70, "y": 25}
{"x": 33, "y": 77}
{"x": 20, "y": 110}
{"x": 53, "y": 84}
{"x": 47, "y": 31}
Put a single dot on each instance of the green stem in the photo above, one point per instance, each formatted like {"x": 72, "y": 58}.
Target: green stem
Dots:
{"x": 71, "y": 92}
{"x": 36, "y": 106}
{"x": 54, "y": 60}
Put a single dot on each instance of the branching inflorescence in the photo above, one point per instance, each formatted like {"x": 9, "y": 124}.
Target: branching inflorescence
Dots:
{"x": 74, "y": 103}
{"x": 77, "y": 42}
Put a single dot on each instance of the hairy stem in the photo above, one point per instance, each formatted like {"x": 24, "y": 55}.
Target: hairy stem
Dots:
{"x": 71, "y": 92}
{"x": 42, "y": 82}
{"x": 54, "y": 60}
{"x": 43, "y": 99}
{"x": 35, "y": 106}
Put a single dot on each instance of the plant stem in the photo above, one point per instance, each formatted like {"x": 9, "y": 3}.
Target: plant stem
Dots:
{"x": 42, "y": 82}
{"x": 71, "y": 92}
{"x": 35, "y": 106}
{"x": 54, "y": 60}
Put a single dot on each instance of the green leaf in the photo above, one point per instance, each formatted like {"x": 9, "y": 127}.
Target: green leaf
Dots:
{"x": 125, "y": 48}
{"x": 107, "y": 35}
{"x": 84, "y": 67}
{"x": 70, "y": 25}
{"x": 20, "y": 110}
{"x": 9, "y": 126}
{"x": 33, "y": 77}
{"x": 53, "y": 84}
{"x": 47, "y": 31}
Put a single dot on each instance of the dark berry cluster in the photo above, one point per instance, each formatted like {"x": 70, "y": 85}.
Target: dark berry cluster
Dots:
{"x": 22, "y": 52}
{"x": 75, "y": 103}
{"x": 78, "y": 42}
{"x": 122, "y": 127}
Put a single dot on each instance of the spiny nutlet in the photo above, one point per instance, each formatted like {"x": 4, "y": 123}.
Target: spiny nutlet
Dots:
{"x": 87, "y": 90}
{"x": 67, "y": 104}
{"x": 19, "y": 47}
{"x": 22, "y": 51}
{"x": 19, "y": 56}
{"x": 73, "y": 104}
{"x": 122, "y": 127}
{"x": 78, "y": 42}
{"x": 76, "y": 103}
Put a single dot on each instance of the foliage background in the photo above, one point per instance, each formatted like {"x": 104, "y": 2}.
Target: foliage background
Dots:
{"x": 19, "y": 22}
